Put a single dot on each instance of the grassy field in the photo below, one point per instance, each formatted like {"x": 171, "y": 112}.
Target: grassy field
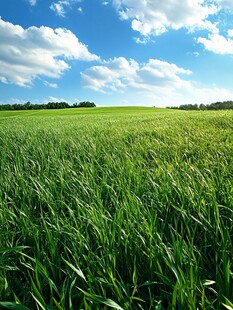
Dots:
{"x": 122, "y": 208}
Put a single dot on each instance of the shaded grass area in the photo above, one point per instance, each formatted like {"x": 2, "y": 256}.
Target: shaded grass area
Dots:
{"x": 127, "y": 208}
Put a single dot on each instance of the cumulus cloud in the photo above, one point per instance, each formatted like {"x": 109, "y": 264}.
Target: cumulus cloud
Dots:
{"x": 218, "y": 44}
{"x": 119, "y": 74}
{"x": 115, "y": 74}
{"x": 156, "y": 17}
{"x": 154, "y": 81}
{"x": 28, "y": 53}
{"x": 62, "y": 6}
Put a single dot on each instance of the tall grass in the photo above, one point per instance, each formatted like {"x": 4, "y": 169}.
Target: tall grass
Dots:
{"x": 116, "y": 208}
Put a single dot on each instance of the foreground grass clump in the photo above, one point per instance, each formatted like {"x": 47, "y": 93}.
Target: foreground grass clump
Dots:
{"x": 123, "y": 208}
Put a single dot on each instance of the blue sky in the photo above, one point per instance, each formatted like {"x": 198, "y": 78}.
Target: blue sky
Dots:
{"x": 116, "y": 52}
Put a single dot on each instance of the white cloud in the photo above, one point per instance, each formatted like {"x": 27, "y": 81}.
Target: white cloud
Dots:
{"x": 209, "y": 94}
{"x": 156, "y": 81}
{"x": 228, "y": 4}
{"x": 196, "y": 54}
{"x": 115, "y": 74}
{"x": 32, "y": 2}
{"x": 119, "y": 74}
{"x": 55, "y": 99}
{"x": 62, "y": 6}
{"x": 58, "y": 8}
{"x": 218, "y": 44}
{"x": 27, "y": 53}
{"x": 51, "y": 85}
{"x": 143, "y": 40}
{"x": 230, "y": 33}
{"x": 155, "y": 17}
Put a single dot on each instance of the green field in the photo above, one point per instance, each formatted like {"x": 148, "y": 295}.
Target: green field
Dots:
{"x": 116, "y": 208}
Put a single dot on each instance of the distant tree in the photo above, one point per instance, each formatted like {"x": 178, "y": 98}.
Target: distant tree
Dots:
{"x": 16, "y": 106}
{"x": 225, "y": 105}
{"x": 27, "y": 106}
{"x": 202, "y": 107}
{"x": 188, "y": 107}
{"x": 174, "y": 107}
{"x": 85, "y": 104}
{"x": 57, "y": 105}
{"x": 6, "y": 107}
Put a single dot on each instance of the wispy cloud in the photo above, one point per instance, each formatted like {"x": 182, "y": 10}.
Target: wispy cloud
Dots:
{"x": 32, "y": 2}
{"x": 61, "y": 7}
{"x": 55, "y": 99}
{"x": 51, "y": 85}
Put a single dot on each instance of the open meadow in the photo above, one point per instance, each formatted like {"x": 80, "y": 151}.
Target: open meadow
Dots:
{"x": 116, "y": 208}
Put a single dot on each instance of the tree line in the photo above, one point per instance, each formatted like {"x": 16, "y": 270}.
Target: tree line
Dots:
{"x": 224, "y": 105}
{"x": 50, "y": 105}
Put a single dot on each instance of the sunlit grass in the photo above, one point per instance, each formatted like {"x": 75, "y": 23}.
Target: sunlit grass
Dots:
{"x": 124, "y": 208}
